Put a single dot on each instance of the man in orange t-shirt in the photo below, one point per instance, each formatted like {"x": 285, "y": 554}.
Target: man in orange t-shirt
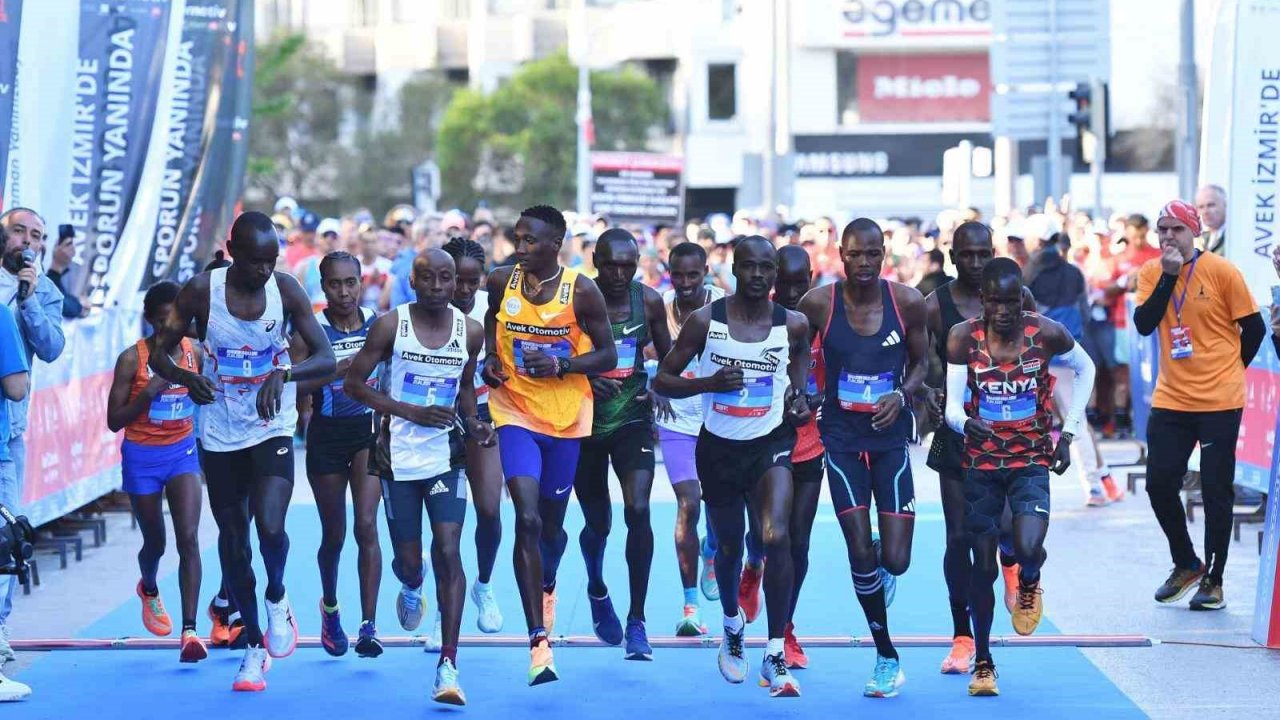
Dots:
{"x": 1209, "y": 330}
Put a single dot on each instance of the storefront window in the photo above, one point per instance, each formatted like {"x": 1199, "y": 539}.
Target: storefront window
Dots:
{"x": 847, "y": 89}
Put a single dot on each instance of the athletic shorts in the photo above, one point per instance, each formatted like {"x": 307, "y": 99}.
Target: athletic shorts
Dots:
{"x": 332, "y": 443}
{"x": 146, "y": 469}
{"x": 678, "y": 455}
{"x": 729, "y": 470}
{"x": 445, "y": 497}
{"x": 230, "y": 475}
{"x": 985, "y": 492}
{"x": 809, "y": 471}
{"x": 630, "y": 447}
{"x": 551, "y": 461}
{"x": 946, "y": 452}
{"x": 856, "y": 478}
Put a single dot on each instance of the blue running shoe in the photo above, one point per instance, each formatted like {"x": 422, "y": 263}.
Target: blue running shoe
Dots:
{"x": 887, "y": 580}
{"x": 885, "y": 679}
{"x": 731, "y": 658}
{"x": 638, "y": 647}
{"x": 332, "y": 636}
{"x": 368, "y": 645}
{"x": 710, "y": 588}
{"x": 605, "y": 621}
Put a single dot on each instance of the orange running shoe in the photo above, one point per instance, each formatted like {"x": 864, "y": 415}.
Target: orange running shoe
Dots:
{"x": 1114, "y": 493}
{"x": 791, "y": 650}
{"x": 1026, "y": 616}
{"x": 220, "y": 634}
{"x": 960, "y": 660}
{"x": 549, "y": 611}
{"x": 749, "y": 591}
{"x": 1010, "y": 586}
{"x": 193, "y": 649}
{"x": 154, "y": 617}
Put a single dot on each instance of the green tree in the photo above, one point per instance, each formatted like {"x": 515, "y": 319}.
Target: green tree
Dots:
{"x": 517, "y": 146}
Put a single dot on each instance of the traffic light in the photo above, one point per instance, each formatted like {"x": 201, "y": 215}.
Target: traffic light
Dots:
{"x": 1090, "y": 120}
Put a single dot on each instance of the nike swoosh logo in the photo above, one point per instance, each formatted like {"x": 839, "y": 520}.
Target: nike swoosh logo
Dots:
{"x": 645, "y": 450}
{"x": 1041, "y": 510}
{"x": 191, "y": 451}
{"x": 1205, "y": 445}
{"x": 562, "y": 491}
{"x": 629, "y": 330}
{"x": 784, "y": 453}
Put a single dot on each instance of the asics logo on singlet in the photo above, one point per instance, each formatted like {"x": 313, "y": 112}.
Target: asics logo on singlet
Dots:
{"x": 893, "y": 339}
{"x": 768, "y": 366}
{"x": 629, "y": 330}
{"x": 282, "y": 451}
{"x": 535, "y": 330}
{"x": 438, "y": 488}
{"x": 269, "y": 325}
{"x": 431, "y": 359}
{"x": 1008, "y": 387}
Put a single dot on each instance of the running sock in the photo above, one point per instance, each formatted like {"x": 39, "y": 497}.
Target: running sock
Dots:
{"x": 1028, "y": 576}
{"x": 329, "y": 609}
{"x": 152, "y": 591}
{"x": 960, "y": 619}
{"x": 733, "y": 624}
{"x": 691, "y": 596}
{"x": 482, "y": 587}
{"x": 870, "y": 594}
{"x": 221, "y": 602}
{"x": 233, "y": 616}
{"x": 450, "y": 653}
{"x": 773, "y": 647}
{"x": 188, "y": 624}
{"x": 548, "y": 589}
{"x": 537, "y": 635}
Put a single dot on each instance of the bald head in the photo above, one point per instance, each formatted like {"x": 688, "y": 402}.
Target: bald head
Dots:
{"x": 794, "y": 276}
{"x": 614, "y": 241}
{"x": 434, "y": 259}
{"x": 792, "y": 259}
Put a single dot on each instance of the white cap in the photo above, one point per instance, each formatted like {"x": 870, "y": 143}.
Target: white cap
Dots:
{"x": 286, "y": 204}
{"x": 329, "y": 225}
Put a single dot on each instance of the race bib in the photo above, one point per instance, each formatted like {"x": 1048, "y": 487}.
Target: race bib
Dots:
{"x": 753, "y": 400}
{"x": 860, "y": 393}
{"x": 173, "y": 405}
{"x": 690, "y": 370}
{"x": 1180, "y": 343}
{"x": 626, "y": 359}
{"x": 555, "y": 349}
{"x": 244, "y": 365}
{"x": 481, "y": 388}
{"x": 426, "y": 390}
{"x": 1003, "y": 410}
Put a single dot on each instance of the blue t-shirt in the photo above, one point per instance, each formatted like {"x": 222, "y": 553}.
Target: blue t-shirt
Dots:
{"x": 13, "y": 359}
{"x": 401, "y": 280}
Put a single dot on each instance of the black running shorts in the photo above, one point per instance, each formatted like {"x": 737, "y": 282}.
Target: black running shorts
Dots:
{"x": 729, "y": 470}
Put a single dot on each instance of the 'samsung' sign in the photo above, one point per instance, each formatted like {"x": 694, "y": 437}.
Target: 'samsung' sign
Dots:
{"x": 915, "y": 18}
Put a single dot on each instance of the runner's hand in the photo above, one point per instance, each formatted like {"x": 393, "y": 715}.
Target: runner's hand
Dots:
{"x": 344, "y": 365}
{"x": 154, "y": 387}
{"x": 888, "y": 408}
{"x": 436, "y": 416}
{"x": 977, "y": 429}
{"x": 726, "y": 379}
{"x": 662, "y": 409}
{"x": 1061, "y": 456}
{"x": 481, "y": 431}
{"x": 199, "y": 387}
{"x": 492, "y": 374}
{"x": 934, "y": 401}
{"x": 1171, "y": 260}
{"x": 269, "y": 395}
{"x": 606, "y": 388}
{"x": 797, "y": 409}
{"x": 539, "y": 364}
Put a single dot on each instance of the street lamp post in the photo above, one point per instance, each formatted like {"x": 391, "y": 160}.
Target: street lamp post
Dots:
{"x": 583, "y": 116}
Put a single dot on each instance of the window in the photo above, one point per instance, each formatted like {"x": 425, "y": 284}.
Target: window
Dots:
{"x": 364, "y": 13}
{"x": 846, "y": 88}
{"x": 722, "y": 91}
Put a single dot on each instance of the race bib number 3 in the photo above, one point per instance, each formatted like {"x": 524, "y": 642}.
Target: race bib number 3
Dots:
{"x": 244, "y": 365}
{"x": 171, "y": 406}
{"x": 1007, "y": 410}
{"x": 860, "y": 393}
{"x": 555, "y": 349}
{"x": 425, "y": 390}
{"x": 753, "y": 400}
{"x": 626, "y": 359}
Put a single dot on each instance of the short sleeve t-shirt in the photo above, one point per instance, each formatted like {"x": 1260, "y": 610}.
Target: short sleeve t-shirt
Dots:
{"x": 13, "y": 360}
{"x": 1212, "y": 378}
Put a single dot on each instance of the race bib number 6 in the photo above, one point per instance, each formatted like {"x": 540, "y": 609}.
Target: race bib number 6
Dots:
{"x": 1007, "y": 410}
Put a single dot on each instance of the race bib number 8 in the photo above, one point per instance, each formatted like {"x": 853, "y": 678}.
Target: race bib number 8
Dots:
{"x": 425, "y": 390}
{"x": 753, "y": 400}
{"x": 626, "y": 359}
{"x": 555, "y": 349}
{"x": 1007, "y": 410}
{"x": 860, "y": 393}
{"x": 244, "y": 365}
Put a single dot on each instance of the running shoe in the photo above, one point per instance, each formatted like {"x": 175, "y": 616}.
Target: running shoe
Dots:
{"x": 1209, "y": 596}
{"x": 281, "y": 637}
{"x": 710, "y": 588}
{"x": 885, "y": 679}
{"x": 549, "y": 611}
{"x": 960, "y": 660}
{"x": 447, "y": 690}
{"x": 332, "y": 636}
{"x": 791, "y": 650}
{"x": 154, "y": 617}
{"x": 488, "y": 617}
{"x": 239, "y": 639}
{"x": 1180, "y": 582}
{"x": 542, "y": 667}
{"x": 983, "y": 682}
{"x": 367, "y": 644}
{"x": 435, "y": 641}
{"x": 1097, "y": 498}
{"x": 638, "y": 647}
{"x": 409, "y": 607}
{"x": 888, "y": 580}
{"x": 220, "y": 635}
{"x": 1114, "y": 492}
{"x": 1026, "y": 615}
{"x": 691, "y": 624}
{"x": 251, "y": 677}
{"x": 6, "y": 650}
{"x": 11, "y": 690}
{"x": 1010, "y": 573}
{"x": 775, "y": 676}
{"x": 732, "y": 658}
{"x": 193, "y": 649}
{"x": 605, "y": 621}
{"x": 749, "y": 591}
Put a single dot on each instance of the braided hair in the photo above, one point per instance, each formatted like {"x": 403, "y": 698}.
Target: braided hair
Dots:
{"x": 338, "y": 256}
{"x": 461, "y": 247}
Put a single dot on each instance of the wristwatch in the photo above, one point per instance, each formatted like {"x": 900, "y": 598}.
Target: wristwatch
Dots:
{"x": 1068, "y": 436}
{"x": 288, "y": 371}
{"x": 562, "y": 366}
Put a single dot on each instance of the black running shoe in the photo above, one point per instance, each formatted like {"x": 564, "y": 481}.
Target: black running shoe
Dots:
{"x": 239, "y": 638}
{"x": 368, "y": 645}
{"x": 1209, "y": 596}
{"x": 1180, "y": 582}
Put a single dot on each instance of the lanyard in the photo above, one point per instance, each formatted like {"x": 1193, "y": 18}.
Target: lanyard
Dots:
{"x": 1179, "y": 301}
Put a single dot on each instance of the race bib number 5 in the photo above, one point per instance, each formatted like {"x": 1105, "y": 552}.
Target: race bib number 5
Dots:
{"x": 555, "y": 349}
{"x": 425, "y": 390}
{"x": 753, "y": 400}
{"x": 860, "y": 393}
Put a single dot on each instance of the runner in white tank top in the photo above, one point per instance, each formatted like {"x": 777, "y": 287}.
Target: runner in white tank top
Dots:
{"x": 242, "y": 314}
{"x": 753, "y": 369}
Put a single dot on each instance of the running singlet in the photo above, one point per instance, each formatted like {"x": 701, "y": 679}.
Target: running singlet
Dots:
{"x": 808, "y": 441}
{"x": 861, "y": 369}
{"x": 756, "y": 409}
{"x": 239, "y": 355}
{"x": 478, "y": 310}
{"x": 688, "y": 411}
{"x": 630, "y": 337}
{"x": 556, "y": 407}
{"x": 330, "y": 400}
{"x": 171, "y": 414}
{"x": 1015, "y": 398}
{"x": 424, "y": 376}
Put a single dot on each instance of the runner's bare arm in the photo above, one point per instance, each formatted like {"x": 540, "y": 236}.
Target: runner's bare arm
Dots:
{"x": 690, "y": 343}
{"x": 191, "y": 305}
{"x": 376, "y": 350}
{"x": 797, "y": 405}
{"x": 320, "y": 363}
{"x": 656, "y": 315}
{"x": 481, "y": 431}
{"x": 593, "y": 318}
{"x": 816, "y": 307}
{"x": 912, "y": 305}
{"x": 120, "y": 410}
{"x": 493, "y": 373}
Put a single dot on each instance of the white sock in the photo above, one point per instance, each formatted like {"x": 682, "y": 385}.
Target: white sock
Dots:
{"x": 482, "y": 587}
{"x": 774, "y": 647}
{"x": 733, "y": 624}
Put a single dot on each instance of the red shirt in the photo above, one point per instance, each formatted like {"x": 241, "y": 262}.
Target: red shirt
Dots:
{"x": 808, "y": 442}
{"x": 1124, "y": 267}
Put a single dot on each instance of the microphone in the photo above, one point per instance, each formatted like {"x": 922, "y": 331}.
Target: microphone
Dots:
{"x": 28, "y": 260}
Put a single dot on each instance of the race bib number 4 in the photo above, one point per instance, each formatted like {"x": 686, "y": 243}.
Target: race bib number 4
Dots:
{"x": 244, "y": 365}
{"x": 753, "y": 400}
{"x": 626, "y": 359}
{"x": 172, "y": 406}
{"x": 555, "y": 349}
{"x": 860, "y": 393}
{"x": 425, "y": 390}
{"x": 1004, "y": 411}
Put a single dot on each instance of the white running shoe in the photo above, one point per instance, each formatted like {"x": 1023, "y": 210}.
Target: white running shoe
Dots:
{"x": 409, "y": 607}
{"x": 489, "y": 618}
{"x": 11, "y": 690}
{"x": 6, "y": 652}
{"x": 281, "y": 637}
{"x": 433, "y": 642}
{"x": 447, "y": 690}
{"x": 251, "y": 677}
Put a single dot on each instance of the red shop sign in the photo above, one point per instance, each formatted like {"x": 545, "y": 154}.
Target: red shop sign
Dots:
{"x": 952, "y": 87}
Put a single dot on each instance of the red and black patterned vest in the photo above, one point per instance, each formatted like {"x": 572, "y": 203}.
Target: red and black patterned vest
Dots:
{"x": 1016, "y": 399}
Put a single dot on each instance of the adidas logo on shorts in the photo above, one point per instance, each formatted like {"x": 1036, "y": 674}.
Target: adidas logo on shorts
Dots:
{"x": 438, "y": 488}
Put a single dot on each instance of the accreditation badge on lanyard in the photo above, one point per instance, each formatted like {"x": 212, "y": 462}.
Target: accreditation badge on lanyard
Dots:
{"x": 1180, "y": 335}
